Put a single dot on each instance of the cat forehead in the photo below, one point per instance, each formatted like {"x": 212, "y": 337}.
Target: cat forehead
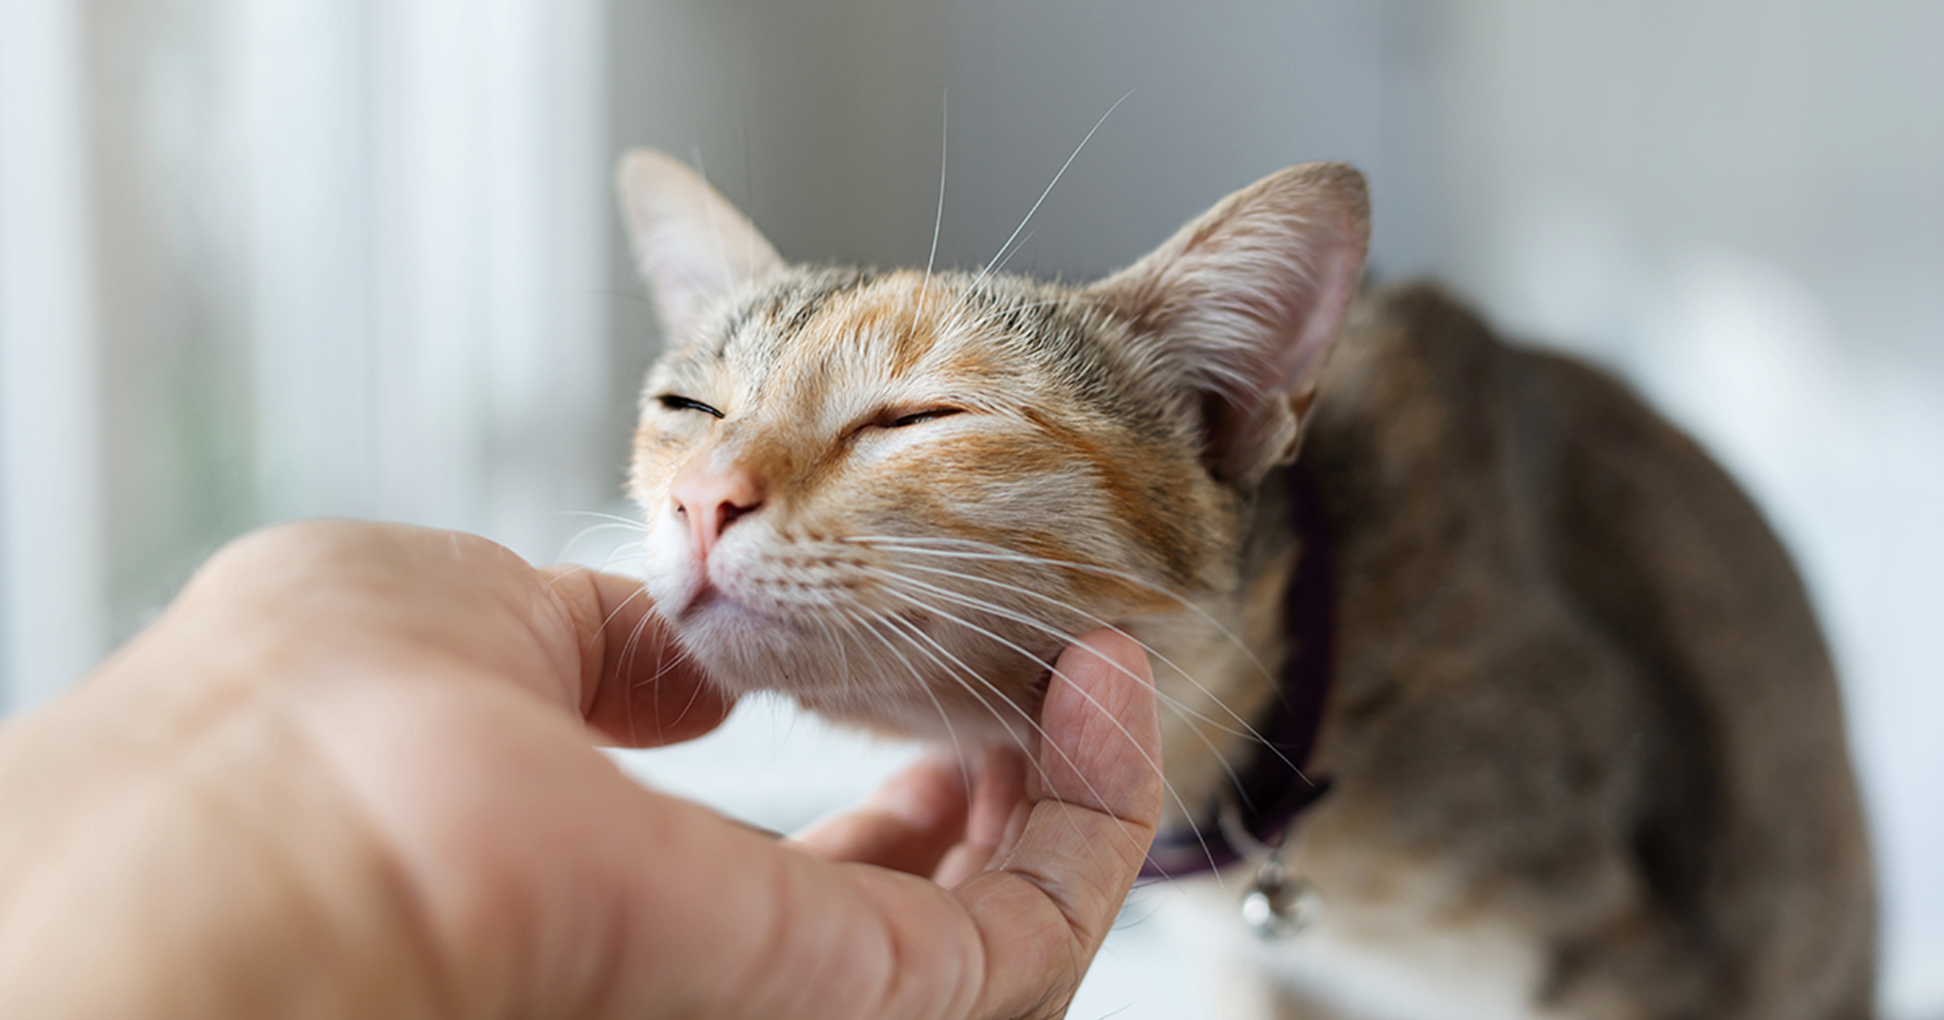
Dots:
{"x": 820, "y": 328}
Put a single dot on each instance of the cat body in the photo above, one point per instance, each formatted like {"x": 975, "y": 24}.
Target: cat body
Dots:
{"x": 1583, "y": 734}
{"x": 1583, "y": 741}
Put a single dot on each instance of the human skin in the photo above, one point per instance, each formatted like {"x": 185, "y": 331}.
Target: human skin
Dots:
{"x": 351, "y": 772}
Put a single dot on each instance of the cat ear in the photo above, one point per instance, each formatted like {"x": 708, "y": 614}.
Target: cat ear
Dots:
{"x": 691, "y": 245}
{"x": 1242, "y": 304}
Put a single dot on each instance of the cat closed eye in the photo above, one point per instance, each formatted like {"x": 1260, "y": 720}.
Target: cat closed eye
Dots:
{"x": 919, "y": 417}
{"x": 677, "y": 402}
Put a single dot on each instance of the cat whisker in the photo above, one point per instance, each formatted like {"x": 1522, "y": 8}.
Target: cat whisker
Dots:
{"x": 662, "y": 668}
{"x": 958, "y": 748}
{"x": 1175, "y": 705}
{"x": 1050, "y": 185}
{"x": 624, "y": 555}
{"x": 1247, "y": 729}
{"x": 615, "y": 518}
{"x": 1000, "y": 266}
{"x": 694, "y": 693}
{"x": 626, "y": 660}
{"x": 620, "y": 554}
{"x": 627, "y": 693}
{"x": 569, "y": 572}
{"x": 856, "y": 624}
{"x": 566, "y": 550}
{"x": 639, "y": 591}
{"x": 912, "y": 636}
{"x": 914, "y": 632}
{"x": 1055, "y": 670}
{"x": 944, "y": 136}
{"x": 1002, "y": 554}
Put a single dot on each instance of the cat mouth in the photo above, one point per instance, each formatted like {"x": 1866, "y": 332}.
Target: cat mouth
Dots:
{"x": 709, "y": 608}
{"x": 713, "y": 604}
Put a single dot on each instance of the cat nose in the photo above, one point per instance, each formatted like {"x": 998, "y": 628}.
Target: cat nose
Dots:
{"x": 711, "y": 497}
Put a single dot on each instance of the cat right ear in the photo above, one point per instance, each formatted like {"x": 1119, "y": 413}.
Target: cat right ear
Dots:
{"x": 693, "y": 248}
{"x": 1241, "y": 305}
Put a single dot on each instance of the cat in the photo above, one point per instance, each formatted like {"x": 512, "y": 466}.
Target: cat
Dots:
{"x": 1580, "y": 751}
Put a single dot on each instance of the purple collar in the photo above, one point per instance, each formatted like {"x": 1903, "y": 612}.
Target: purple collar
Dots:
{"x": 1268, "y": 795}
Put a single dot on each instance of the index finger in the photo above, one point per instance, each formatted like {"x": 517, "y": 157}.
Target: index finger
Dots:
{"x": 638, "y": 688}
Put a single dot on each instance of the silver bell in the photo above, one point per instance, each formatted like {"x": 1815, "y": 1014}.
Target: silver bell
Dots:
{"x": 1279, "y": 904}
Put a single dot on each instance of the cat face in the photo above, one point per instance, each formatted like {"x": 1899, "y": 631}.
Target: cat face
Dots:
{"x": 896, "y": 496}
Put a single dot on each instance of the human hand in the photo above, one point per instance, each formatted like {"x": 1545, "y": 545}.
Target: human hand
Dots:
{"x": 349, "y": 773}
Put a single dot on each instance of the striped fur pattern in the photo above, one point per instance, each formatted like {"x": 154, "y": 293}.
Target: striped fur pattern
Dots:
{"x": 872, "y": 536}
{"x": 1586, "y": 750}
{"x": 957, "y": 472}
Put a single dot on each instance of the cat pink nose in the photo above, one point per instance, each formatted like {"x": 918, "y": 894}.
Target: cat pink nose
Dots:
{"x": 709, "y": 498}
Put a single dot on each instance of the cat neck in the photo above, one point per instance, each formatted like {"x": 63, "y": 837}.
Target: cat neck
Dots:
{"x": 1219, "y": 665}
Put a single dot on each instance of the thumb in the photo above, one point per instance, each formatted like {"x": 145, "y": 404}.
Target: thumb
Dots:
{"x": 1048, "y": 899}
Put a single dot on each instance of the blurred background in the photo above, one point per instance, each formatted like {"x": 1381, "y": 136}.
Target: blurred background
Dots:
{"x": 262, "y": 259}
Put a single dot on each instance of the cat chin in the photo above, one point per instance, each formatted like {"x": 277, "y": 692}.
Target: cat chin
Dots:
{"x": 866, "y": 685}
{"x": 967, "y": 730}
{"x": 716, "y": 617}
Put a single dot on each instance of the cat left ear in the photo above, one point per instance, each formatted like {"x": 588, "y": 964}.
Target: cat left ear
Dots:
{"x": 1243, "y": 303}
{"x": 692, "y": 246}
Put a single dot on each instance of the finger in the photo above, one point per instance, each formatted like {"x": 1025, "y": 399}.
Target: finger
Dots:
{"x": 1088, "y": 830}
{"x": 907, "y": 824}
{"x": 1012, "y": 940}
{"x": 638, "y": 688}
{"x": 1002, "y": 785}
{"x": 315, "y": 596}
{"x": 1093, "y": 715}
{"x": 999, "y": 797}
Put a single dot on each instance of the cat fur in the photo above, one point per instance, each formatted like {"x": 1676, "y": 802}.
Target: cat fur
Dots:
{"x": 1585, "y": 742}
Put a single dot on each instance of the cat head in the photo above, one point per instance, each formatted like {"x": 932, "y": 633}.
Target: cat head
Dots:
{"x": 896, "y": 495}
